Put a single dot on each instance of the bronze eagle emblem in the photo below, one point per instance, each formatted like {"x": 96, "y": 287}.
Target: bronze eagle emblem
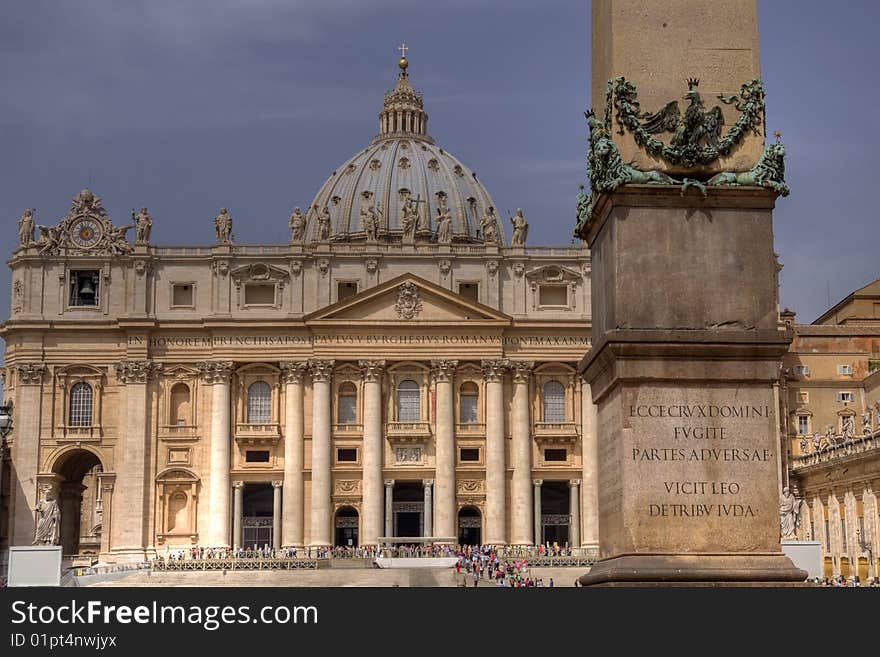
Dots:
{"x": 691, "y": 130}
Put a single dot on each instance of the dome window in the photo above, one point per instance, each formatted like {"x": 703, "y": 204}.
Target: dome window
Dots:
{"x": 433, "y": 165}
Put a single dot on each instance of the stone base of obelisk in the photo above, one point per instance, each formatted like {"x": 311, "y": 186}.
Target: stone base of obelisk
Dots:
{"x": 684, "y": 370}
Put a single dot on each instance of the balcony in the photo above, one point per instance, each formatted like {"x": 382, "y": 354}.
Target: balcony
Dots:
{"x": 89, "y": 433}
{"x": 177, "y": 432}
{"x": 835, "y": 450}
{"x": 556, "y": 432}
{"x": 470, "y": 429}
{"x": 404, "y": 432}
{"x": 253, "y": 433}
{"x": 348, "y": 429}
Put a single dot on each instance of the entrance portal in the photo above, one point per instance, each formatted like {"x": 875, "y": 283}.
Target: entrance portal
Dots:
{"x": 408, "y": 508}
{"x": 256, "y": 510}
{"x": 346, "y": 525}
{"x": 555, "y": 512}
{"x": 470, "y": 524}
{"x": 80, "y": 503}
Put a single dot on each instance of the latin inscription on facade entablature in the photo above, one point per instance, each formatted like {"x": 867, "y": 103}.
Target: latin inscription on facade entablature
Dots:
{"x": 201, "y": 341}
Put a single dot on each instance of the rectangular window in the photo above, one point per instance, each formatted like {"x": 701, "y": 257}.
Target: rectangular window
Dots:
{"x": 256, "y": 456}
{"x": 346, "y": 289}
{"x": 843, "y": 535}
{"x": 844, "y": 370}
{"x": 469, "y": 291}
{"x": 827, "y": 537}
{"x": 803, "y": 398}
{"x": 555, "y": 454}
{"x": 469, "y": 454}
{"x": 182, "y": 295}
{"x": 347, "y": 455}
{"x": 845, "y": 397}
{"x": 84, "y": 287}
{"x": 803, "y": 425}
{"x": 802, "y": 370}
{"x": 553, "y": 295}
{"x": 259, "y": 294}
{"x": 812, "y": 530}
{"x": 862, "y": 535}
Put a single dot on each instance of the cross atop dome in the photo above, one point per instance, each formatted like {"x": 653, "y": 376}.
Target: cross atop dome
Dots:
{"x": 403, "y": 112}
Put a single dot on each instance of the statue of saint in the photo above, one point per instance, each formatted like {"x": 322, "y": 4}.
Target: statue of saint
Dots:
{"x": 324, "y": 224}
{"x": 297, "y": 225}
{"x": 444, "y": 226}
{"x": 48, "y": 520}
{"x": 489, "y": 224}
{"x": 143, "y": 223}
{"x": 789, "y": 515}
{"x": 866, "y": 423}
{"x": 26, "y": 228}
{"x": 116, "y": 240}
{"x": 370, "y": 221}
{"x": 520, "y": 228}
{"x": 223, "y": 227}
{"x": 847, "y": 430}
{"x": 408, "y": 220}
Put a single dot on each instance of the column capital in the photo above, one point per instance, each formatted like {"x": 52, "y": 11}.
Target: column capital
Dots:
{"x": 493, "y": 370}
{"x": 522, "y": 370}
{"x": 443, "y": 370}
{"x": 389, "y": 483}
{"x": 537, "y": 482}
{"x": 321, "y": 370}
{"x": 238, "y": 485}
{"x": 372, "y": 370}
{"x": 574, "y": 483}
{"x": 30, "y": 373}
{"x": 136, "y": 371}
{"x": 293, "y": 371}
{"x": 215, "y": 371}
{"x": 277, "y": 484}
{"x": 427, "y": 482}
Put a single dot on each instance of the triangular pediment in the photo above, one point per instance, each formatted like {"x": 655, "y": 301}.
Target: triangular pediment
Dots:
{"x": 411, "y": 299}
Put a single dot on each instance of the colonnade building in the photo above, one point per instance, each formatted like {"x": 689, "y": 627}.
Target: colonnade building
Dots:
{"x": 399, "y": 369}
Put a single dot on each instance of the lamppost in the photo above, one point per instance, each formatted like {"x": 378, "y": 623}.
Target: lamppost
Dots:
{"x": 5, "y": 428}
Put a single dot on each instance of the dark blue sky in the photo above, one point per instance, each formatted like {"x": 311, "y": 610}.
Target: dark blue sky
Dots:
{"x": 189, "y": 106}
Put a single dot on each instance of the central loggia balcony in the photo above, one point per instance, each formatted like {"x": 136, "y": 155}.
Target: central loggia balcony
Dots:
{"x": 402, "y": 432}
{"x": 78, "y": 433}
{"x": 556, "y": 431}
{"x": 253, "y": 433}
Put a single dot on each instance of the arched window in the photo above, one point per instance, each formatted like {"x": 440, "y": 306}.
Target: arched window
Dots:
{"x": 80, "y": 413}
{"x": 259, "y": 400}
{"x": 554, "y": 402}
{"x": 180, "y": 406}
{"x": 408, "y": 406}
{"x": 468, "y": 398}
{"x": 346, "y": 404}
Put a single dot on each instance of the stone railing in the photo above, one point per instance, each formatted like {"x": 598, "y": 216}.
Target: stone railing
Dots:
{"x": 408, "y": 429}
{"x": 256, "y": 563}
{"x": 361, "y": 247}
{"x": 556, "y": 430}
{"x": 90, "y": 432}
{"x": 472, "y": 428}
{"x": 177, "y": 431}
{"x": 832, "y": 448}
{"x": 262, "y": 431}
{"x": 348, "y": 428}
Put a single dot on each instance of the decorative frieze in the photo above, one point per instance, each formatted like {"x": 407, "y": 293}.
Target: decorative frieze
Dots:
{"x": 347, "y": 486}
{"x": 136, "y": 371}
{"x": 470, "y": 486}
{"x": 407, "y": 455}
{"x": 215, "y": 371}
{"x": 293, "y": 371}
{"x": 30, "y": 373}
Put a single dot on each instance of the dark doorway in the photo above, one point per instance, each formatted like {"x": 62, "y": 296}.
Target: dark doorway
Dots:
{"x": 555, "y": 512}
{"x": 470, "y": 524}
{"x": 346, "y": 524}
{"x": 408, "y": 508}
{"x": 79, "y": 502}
{"x": 256, "y": 510}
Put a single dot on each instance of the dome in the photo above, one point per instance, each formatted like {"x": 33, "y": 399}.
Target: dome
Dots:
{"x": 403, "y": 171}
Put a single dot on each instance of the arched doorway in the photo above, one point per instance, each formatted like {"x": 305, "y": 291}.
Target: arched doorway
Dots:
{"x": 256, "y": 510}
{"x": 79, "y": 501}
{"x": 470, "y": 526}
{"x": 555, "y": 512}
{"x": 346, "y": 526}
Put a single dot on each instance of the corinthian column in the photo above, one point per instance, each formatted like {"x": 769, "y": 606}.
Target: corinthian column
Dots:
{"x": 322, "y": 509}
{"x": 129, "y": 524}
{"x": 26, "y": 450}
{"x": 444, "y": 478}
{"x": 496, "y": 468}
{"x": 373, "y": 456}
{"x": 428, "y": 523}
{"x": 521, "y": 432}
{"x": 216, "y": 374}
{"x": 293, "y": 499}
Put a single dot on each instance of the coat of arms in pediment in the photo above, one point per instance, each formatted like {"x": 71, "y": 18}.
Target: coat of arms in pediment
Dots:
{"x": 409, "y": 301}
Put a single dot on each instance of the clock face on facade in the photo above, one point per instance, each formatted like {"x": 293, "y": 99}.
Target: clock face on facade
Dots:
{"x": 85, "y": 233}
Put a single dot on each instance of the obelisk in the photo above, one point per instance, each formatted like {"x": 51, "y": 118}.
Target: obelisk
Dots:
{"x": 687, "y": 341}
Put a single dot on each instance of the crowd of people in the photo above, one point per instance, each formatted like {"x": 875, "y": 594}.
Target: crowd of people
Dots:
{"x": 486, "y": 563}
{"x": 840, "y": 580}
